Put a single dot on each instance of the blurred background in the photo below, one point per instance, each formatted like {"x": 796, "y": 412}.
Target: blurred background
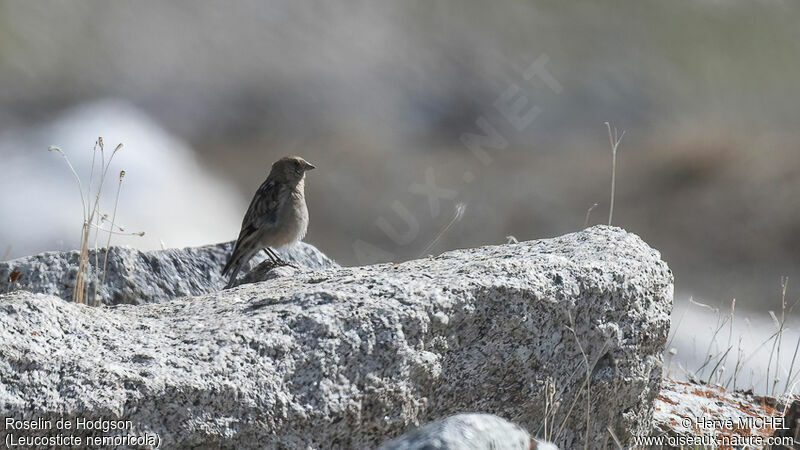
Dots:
{"x": 205, "y": 96}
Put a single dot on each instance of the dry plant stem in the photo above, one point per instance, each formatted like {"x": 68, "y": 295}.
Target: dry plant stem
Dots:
{"x": 677, "y": 325}
{"x": 588, "y": 213}
{"x": 458, "y": 214}
{"x": 777, "y": 342}
{"x": 668, "y": 365}
{"x": 556, "y": 402}
{"x": 724, "y": 357}
{"x": 789, "y": 375}
{"x": 111, "y": 230}
{"x": 674, "y": 332}
{"x": 96, "y": 208}
{"x": 587, "y": 384}
{"x": 96, "y": 275}
{"x": 551, "y": 406}
{"x": 732, "y": 317}
{"x": 77, "y": 290}
{"x": 615, "y": 438}
{"x": 709, "y": 307}
{"x": 107, "y": 166}
{"x": 784, "y": 285}
{"x": 80, "y": 293}
{"x": 577, "y": 396}
{"x": 546, "y": 405}
{"x": 614, "y": 140}
{"x": 766, "y": 341}
{"x": 117, "y": 233}
{"x": 719, "y": 362}
{"x": 617, "y": 378}
{"x": 738, "y": 364}
{"x": 698, "y": 374}
{"x": 792, "y": 373}
{"x": 550, "y": 409}
{"x": 99, "y": 142}
{"x": 710, "y": 356}
{"x": 74, "y": 173}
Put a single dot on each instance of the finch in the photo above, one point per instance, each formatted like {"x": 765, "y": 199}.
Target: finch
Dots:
{"x": 277, "y": 215}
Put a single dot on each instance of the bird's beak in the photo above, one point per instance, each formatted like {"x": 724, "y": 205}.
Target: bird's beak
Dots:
{"x": 310, "y": 166}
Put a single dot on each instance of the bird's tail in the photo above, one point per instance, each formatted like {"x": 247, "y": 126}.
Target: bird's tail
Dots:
{"x": 229, "y": 264}
{"x": 232, "y": 267}
{"x": 242, "y": 252}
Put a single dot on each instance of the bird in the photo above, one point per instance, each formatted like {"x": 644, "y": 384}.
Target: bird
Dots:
{"x": 277, "y": 216}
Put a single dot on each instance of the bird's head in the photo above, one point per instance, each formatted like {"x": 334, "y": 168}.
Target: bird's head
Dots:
{"x": 291, "y": 168}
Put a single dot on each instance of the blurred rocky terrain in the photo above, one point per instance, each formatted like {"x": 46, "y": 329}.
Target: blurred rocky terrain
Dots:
{"x": 379, "y": 96}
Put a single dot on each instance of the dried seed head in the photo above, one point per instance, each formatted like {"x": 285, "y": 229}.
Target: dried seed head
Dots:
{"x": 121, "y": 172}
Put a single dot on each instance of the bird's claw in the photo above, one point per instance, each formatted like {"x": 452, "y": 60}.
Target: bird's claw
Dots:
{"x": 283, "y": 263}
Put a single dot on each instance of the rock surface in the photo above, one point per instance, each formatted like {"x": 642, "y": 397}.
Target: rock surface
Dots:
{"x": 136, "y": 277}
{"x": 468, "y": 432}
{"x": 351, "y": 357}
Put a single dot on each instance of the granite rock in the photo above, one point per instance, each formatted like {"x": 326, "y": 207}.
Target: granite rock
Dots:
{"x": 353, "y": 357}
{"x": 136, "y": 277}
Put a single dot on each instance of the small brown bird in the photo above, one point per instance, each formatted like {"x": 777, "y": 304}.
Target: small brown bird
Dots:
{"x": 277, "y": 215}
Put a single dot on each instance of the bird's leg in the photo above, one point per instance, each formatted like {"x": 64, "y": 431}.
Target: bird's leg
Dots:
{"x": 270, "y": 255}
{"x": 278, "y": 260}
{"x": 274, "y": 257}
{"x": 281, "y": 261}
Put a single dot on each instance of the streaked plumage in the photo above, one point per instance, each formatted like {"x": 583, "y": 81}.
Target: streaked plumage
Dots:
{"x": 277, "y": 215}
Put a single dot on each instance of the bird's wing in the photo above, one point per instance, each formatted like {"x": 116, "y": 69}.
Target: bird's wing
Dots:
{"x": 263, "y": 211}
{"x": 261, "y": 215}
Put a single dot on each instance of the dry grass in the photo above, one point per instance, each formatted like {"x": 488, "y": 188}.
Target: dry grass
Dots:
{"x": 588, "y": 215}
{"x": 113, "y": 220}
{"x": 587, "y": 383}
{"x": 551, "y": 429}
{"x": 458, "y": 214}
{"x": 718, "y": 355}
{"x": 92, "y": 220}
{"x": 614, "y": 139}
